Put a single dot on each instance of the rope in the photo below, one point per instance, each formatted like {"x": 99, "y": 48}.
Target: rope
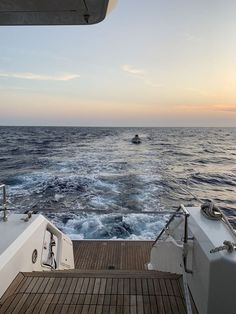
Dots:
{"x": 228, "y": 246}
{"x": 211, "y": 211}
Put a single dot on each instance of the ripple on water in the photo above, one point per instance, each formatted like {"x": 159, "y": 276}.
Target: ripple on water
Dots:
{"x": 60, "y": 171}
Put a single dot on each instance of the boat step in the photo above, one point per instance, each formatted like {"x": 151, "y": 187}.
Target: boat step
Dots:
{"x": 108, "y": 254}
{"x": 94, "y": 292}
{"x": 104, "y": 273}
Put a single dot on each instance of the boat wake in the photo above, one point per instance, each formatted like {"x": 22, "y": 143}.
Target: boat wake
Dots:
{"x": 110, "y": 226}
{"x": 94, "y": 183}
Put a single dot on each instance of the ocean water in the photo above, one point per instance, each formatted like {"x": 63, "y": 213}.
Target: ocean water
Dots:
{"x": 94, "y": 183}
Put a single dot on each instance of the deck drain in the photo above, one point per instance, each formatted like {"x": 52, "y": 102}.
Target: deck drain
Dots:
{"x": 111, "y": 267}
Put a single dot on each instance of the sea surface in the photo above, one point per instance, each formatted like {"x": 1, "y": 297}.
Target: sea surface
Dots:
{"x": 93, "y": 183}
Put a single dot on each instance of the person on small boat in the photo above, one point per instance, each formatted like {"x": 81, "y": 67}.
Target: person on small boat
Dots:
{"x": 136, "y": 139}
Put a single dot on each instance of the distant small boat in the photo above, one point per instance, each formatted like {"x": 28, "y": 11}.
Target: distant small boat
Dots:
{"x": 136, "y": 139}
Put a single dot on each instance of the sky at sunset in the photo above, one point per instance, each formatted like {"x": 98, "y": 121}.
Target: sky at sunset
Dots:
{"x": 149, "y": 63}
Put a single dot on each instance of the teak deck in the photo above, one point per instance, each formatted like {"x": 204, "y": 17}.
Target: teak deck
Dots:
{"x": 121, "y": 255}
{"x": 102, "y": 283}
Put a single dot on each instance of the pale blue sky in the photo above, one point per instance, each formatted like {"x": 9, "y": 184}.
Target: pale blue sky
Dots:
{"x": 150, "y": 63}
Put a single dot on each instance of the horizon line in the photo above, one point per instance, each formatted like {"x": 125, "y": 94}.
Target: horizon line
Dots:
{"x": 108, "y": 126}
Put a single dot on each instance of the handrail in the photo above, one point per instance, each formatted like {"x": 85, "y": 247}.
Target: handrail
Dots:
{"x": 186, "y": 238}
{"x": 184, "y": 209}
{"x": 4, "y": 201}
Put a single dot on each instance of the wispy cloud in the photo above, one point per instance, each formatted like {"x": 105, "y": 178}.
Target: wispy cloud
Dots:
{"x": 200, "y": 108}
{"x": 133, "y": 71}
{"x": 225, "y": 108}
{"x": 39, "y": 77}
{"x": 141, "y": 74}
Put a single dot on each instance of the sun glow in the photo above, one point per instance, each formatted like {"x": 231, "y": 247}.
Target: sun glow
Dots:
{"x": 144, "y": 70}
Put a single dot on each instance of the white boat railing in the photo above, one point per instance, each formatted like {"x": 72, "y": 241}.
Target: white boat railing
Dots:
{"x": 4, "y": 201}
{"x": 181, "y": 210}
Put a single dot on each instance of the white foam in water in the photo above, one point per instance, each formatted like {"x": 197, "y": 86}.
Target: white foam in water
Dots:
{"x": 71, "y": 174}
{"x": 110, "y": 226}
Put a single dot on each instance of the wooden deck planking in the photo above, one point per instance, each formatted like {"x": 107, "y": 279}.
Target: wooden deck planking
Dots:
{"x": 131, "y": 255}
{"x": 113, "y": 291}
{"x": 110, "y": 277}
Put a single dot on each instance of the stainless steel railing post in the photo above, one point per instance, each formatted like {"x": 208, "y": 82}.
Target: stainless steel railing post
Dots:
{"x": 4, "y": 201}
